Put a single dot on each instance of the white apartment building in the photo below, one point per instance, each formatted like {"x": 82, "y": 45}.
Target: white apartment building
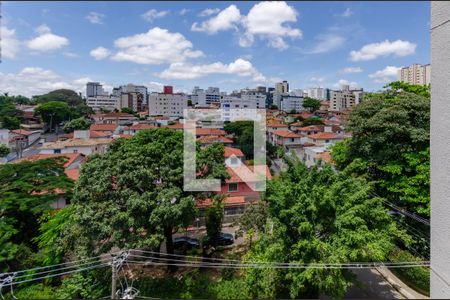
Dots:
{"x": 345, "y": 98}
{"x": 290, "y": 102}
{"x": 415, "y": 74}
{"x": 318, "y": 93}
{"x": 205, "y": 97}
{"x": 108, "y": 102}
{"x": 172, "y": 105}
{"x": 230, "y": 103}
{"x": 254, "y": 96}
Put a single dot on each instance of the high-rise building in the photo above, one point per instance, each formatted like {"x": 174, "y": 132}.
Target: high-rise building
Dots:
{"x": 94, "y": 89}
{"x": 167, "y": 103}
{"x": 291, "y": 102}
{"x": 345, "y": 98}
{"x": 282, "y": 87}
{"x": 109, "y": 102}
{"x": 415, "y": 74}
{"x": 318, "y": 93}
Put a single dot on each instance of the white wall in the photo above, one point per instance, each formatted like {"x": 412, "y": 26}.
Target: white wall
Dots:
{"x": 440, "y": 150}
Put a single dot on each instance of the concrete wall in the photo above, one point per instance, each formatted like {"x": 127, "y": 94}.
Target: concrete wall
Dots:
{"x": 440, "y": 149}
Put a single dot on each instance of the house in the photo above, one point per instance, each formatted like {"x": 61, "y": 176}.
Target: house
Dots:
{"x": 88, "y": 134}
{"x": 27, "y": 137}
{"x": 233, "y": 157}
{"x": 245, "y": 183}
{"x": 109, "y": 128}
{"x": 207, "y": 140}
{"x": 325, "y": 138}
{"x": 114, "y": 118}
{"x": 233, "y": 206}
{"x": 308, "y": 130}
{"x": 287, "y": 139}
{"x": 312, "y": 155}
{"x": 209, "y": 131}
{"x": 135, "y": 128}
{"x": 86, "y": 146}
{"x": 274, "y": 127}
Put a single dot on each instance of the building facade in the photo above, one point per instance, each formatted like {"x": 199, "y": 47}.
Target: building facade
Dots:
{"x": 415, "y": 74}
{"x": 167, "y": 104}
{"x": 345, "y": 98}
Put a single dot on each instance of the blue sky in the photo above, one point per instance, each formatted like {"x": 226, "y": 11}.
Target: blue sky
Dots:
{"x": 232, "y": 45}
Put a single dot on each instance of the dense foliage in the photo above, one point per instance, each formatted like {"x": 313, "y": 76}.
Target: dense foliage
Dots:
{"x": 318, "y": 216}
{"x": 9, "y": 115}
{"x": 133, "y": 197}
{"x": 311, "y": 104}
{"x": 77, "y": 124}
{"x": 390, "y": 146}
{"x": 26, "y": 191}
{"x": 53, "y": 113}
{"x": 4, "y": 150}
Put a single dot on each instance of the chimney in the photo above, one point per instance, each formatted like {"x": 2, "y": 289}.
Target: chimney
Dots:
{"x": 81, "y": 134}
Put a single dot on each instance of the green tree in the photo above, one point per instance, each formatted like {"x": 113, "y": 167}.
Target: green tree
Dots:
{"x": 421, "y": 90}
{"x": 391, "y": 135}
{"x": 190, "y": 103}
{"x": 26, "y": 191}
{"x": 253, "y": 220}
{"x": 77, "y": 124}
{"x": 133, "y": 197}
{"x": 312, "y": 121}
{"x": 319, "y": 216}
{"x": 128, "y": 110}
{"x": 214, "y": 218}
{"x": 9, "y": 115}
{"x": 70, "y": 97}
{"x": 311, "y": 104}
{"x": 4, "y": 150}
{"x": 53, "y": 112}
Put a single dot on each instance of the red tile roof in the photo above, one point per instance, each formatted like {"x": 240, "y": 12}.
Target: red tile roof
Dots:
{"x": 73, "y": 174}
{"x": 310, "y": 128}
{"x": 248, "y": 176}
{"x": 176, "y": 126}
{"x": 286, "y": 134}
{"x": 118, "y": 115}
{"x": 22, "y": 132}
{"x": 325, "y": 136}
{"x": 103, "y": 127}
{"x": 139, "y": 126}
{"x": 92, "y": 134}
{"x": 228, "y": 151}
{"x": 209, "y": 139}
{"x": 326, "y": 157}
{"x": 210, "y": 131}
{"x": 277, "y": 125}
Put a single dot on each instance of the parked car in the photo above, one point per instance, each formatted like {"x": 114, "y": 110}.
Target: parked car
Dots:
{"x": 224, "y": 239}
{"x": 185, "y": 243}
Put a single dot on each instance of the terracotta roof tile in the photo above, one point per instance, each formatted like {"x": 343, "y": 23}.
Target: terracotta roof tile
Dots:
{"x": 228, "y": 151}
{"x": 286, "y": 134}
{"x": 103, "y": 127}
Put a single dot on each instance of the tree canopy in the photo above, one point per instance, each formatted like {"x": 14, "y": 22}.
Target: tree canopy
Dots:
{"x": 26, "y": 191}
{"x": 318, "y": 216}
{"x": 133, "y": 195}
{"x": 311, "y": 104}
{"x": 9, "y": 115}
{"x": 77, "y": 124}
{"x": 53, "y": 112}
{"x": 4, "y": 150}
{"x": 390, "y": 146}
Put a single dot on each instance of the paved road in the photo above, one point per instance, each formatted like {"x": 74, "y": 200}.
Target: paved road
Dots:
{"x": 374, "y": 286}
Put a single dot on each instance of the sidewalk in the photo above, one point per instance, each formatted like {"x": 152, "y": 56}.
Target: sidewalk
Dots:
{"x": 399, "y": 285}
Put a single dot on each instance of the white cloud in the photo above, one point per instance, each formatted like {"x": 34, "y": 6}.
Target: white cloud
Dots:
{"x": 239, "y": 67}
{"x": 317, "y": 79}
{"x": 46, "y": 41}
{"x": 388, "y": 74}
{"x": 342, "y": 82}
{"x": 208, "y": 12}
{"x": 184, "y": 11}
{"x": 350, "y": 70}
{"x": 268, "y": 21}
{"x": 100, "y": 53}
{"x": 326, "y": 43}
{"x": 347, "y": 13}
{"x": 385, "y": 48}
{"x": 153, "y": 14}
{"x": 265, "y": 20}
{"x": 157, "y": 46}
{"x": 154, "y": 86}
{"x": 225, "y": 20}
{"x": 70, "y": 54}
{"x": 10, "y": 44}
{"x": 35, "y": 81}
{"x": 95, "y": 18}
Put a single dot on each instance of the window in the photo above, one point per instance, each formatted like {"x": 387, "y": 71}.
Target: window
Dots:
{"x": 292, "y": 140}
{"x": 232, "y": 187}
{"x": 327, "y": 141}
{"x": 234, "y": 160}
{"x": 57, "y": 151}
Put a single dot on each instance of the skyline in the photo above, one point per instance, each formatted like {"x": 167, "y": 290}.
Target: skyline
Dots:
{"x": 224, "y": 44}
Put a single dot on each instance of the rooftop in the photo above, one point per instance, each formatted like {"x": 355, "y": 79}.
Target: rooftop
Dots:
{"x": 286, "y": 134}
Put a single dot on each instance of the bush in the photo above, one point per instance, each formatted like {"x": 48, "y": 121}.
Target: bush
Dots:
{"x": 417, "y": 278}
